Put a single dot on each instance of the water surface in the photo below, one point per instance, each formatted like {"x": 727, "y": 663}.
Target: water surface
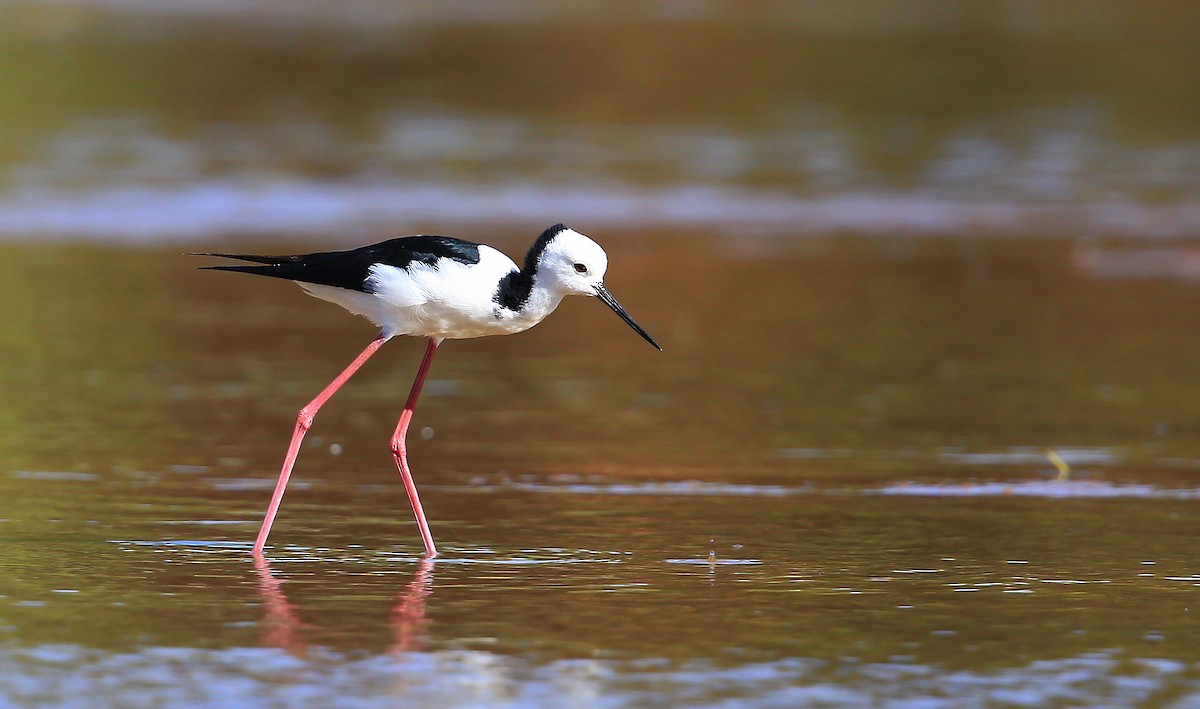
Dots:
{"x": 924, "y": 430}
{"x": 859, "y": 507}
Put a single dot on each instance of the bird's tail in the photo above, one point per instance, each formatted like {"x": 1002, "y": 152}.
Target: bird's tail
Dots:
{"x": 276, "y": 266}
{"x": 269, "y": 260}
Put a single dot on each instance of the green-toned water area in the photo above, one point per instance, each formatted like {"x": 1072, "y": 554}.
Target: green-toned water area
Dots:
{"x": 924, "y": 433}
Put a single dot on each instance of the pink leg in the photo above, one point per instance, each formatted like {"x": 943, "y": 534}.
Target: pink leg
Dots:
{"x": 304, "y": 421}
{"x": 399, "y": 451}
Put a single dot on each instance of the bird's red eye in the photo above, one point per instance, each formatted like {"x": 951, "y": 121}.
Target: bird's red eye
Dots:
{"x": 580, "y": 268}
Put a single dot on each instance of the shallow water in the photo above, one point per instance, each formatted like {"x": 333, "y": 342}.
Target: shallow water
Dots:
{"x": 924, "y": 431}
{"x": 862, "y": 507}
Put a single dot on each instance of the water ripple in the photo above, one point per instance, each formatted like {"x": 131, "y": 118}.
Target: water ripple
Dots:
{"x": 69, "y": 675}
{"x": 1052, "y": 489}
{"x": 1056, "y": 489}
{"x": 142, "y": 214}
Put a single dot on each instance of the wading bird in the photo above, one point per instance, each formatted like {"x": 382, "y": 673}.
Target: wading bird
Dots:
{"x": 437, "y": 287}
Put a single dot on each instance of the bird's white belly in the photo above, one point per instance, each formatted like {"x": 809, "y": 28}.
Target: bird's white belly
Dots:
{"x": 451, "y": 301}
{"x": 446, "y": 321}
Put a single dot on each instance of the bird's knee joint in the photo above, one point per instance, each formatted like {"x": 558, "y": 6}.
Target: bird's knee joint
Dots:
{"x": 304, "y": 419}
{"x": 398, "y": 447}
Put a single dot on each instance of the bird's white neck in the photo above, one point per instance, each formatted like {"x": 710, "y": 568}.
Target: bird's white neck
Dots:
{"x": 541, "y": 301}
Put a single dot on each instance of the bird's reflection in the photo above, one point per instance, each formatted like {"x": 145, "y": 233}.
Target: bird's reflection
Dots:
{"x": 283, "y": 628}
{"x": 408, "y": 618}
{"x": 281, "y": 622}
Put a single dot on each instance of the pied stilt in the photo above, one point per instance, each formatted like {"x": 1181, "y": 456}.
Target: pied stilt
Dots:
{"x": 437, "y": 287}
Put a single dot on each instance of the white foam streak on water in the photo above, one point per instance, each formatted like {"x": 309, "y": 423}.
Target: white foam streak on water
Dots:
{"x": 120, "y": 178}
{"x": 139, "y": 213}
{"x": 1053, "y": 489}
{"x": 1037, "y": 488}
{"x": 863, "y": 17}
{"x": 1028, "y": 455}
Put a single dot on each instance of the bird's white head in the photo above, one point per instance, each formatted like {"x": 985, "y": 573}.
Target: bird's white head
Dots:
{"x": 571, "y": 263}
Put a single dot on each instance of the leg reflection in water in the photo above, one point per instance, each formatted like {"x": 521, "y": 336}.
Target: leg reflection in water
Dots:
{"x": 281, "y": 623}
{"x": 283, "y": 627}
{"x": 408, "y": 618}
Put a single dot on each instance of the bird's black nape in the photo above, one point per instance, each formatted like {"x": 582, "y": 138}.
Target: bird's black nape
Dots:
{"x": 535, "y": 252}
{"x": 515, "y": 288}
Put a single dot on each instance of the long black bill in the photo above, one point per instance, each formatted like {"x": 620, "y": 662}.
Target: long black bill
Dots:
{"x": 611, "y": 302}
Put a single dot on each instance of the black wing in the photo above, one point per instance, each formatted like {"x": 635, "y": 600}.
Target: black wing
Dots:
{"x": 350, "y": 269}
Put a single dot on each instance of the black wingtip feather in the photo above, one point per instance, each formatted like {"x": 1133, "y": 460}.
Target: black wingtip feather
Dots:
{"x": 266, "y": 270}
{"x": 269, "y": 260}
{"x": 351, "y": 269}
